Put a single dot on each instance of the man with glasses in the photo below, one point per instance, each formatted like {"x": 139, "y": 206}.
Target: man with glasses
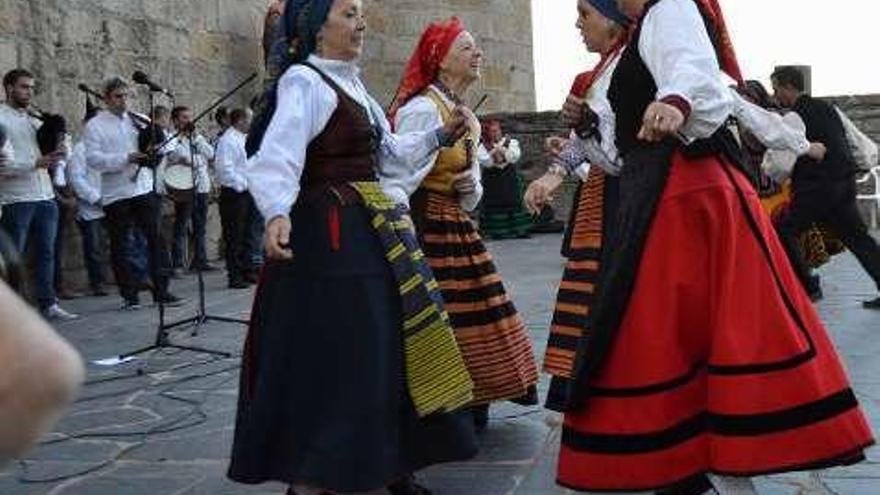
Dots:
{"x": 127, "y": 195}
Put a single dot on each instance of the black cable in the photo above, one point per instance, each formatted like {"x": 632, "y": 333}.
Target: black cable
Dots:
{"x": 182, "y": 422}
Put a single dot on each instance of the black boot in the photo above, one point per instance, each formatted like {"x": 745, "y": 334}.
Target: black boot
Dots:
{"x": 481, "y": 416}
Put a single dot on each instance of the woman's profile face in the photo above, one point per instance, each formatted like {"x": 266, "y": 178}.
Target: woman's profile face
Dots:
{"x": 342, "y": 36}
{"x": 464, "y": 60}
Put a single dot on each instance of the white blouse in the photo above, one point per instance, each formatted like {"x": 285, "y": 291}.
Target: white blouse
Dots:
{"x": 421, "y": 114}
{"x": 305, "y": 105}
{"x": 677, "y": 50}
{"x": 512, "y": 154}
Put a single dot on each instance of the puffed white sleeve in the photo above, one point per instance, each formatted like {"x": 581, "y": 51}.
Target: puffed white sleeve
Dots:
{"x": 402, "y": 175}
{"x": 679, "y": 54}
{"x": 779, "y": 164}
{"x": 305, "y": 105}
{"x": 769, "y": 127}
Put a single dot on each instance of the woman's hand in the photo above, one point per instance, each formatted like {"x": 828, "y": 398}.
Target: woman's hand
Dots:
{"x": 660, "y": 120}
{"x": 462, "y": 121}
{"x": 464, "y": 183}
{"x": 817, "y": 151}
{"x": 553, "y": 145}
{"x": 277, "y": 239}
{"x": 572, "y": 111}
{"x": 540, "y": 192}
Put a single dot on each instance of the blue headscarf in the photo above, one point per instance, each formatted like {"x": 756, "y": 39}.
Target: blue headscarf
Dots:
{"x": 294, "y": 40}
{"x": 609, "y": 9}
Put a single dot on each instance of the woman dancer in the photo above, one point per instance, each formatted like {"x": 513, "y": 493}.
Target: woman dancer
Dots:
{"x": 489, "y": 330}
{"x": 350, "y": 366}
{"x": 704, "y": 354}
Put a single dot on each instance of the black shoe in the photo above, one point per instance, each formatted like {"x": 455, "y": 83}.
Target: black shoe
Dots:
{"x": 407, "y": 486}
{"x": 238, "y": 284}
{"x": 99, "y": 291}
{"x": 131, "y": 305}
{"x": 872, "y": 304}
{"x": 481, "y": 416}
{"x": 816, "y": 295}
{"x": 172, "y": 301}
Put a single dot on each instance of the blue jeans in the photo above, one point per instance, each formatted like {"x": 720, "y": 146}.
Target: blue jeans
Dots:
{"x": 91, "y": 245}
{"x": 40, "y": 220}
{"x": 137, "y": 255}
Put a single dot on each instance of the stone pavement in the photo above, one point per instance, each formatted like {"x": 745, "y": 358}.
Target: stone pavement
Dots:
{"x": 163, "y": 423}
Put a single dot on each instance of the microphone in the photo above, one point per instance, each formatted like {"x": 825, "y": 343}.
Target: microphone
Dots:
{"x": 141, "y": 78}
{"x": 89, "y": 91}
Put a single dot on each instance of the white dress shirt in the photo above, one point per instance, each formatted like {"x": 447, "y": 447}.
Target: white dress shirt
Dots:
{"x": 20, "y": 180}
{"x": 418, "y": 115}
{"x": 230, "y": 161}
{"x": 86, "y": 183}
{"x": 305, "y": 105}
{"x": 178, "y": 153}
{"x": 109, "y": 139}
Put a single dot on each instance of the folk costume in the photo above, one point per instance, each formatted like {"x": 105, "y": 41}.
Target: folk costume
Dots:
{"x": 490, "y": 332}
{"x": 350, "y": 366}
{"x": 502, "y": 214}
{"x": 704, "y": 353}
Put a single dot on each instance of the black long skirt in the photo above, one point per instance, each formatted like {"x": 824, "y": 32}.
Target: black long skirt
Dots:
{"x": 323, "y": 400}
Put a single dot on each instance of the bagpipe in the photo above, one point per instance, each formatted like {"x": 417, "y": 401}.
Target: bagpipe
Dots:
{"x": 53, "y": 135}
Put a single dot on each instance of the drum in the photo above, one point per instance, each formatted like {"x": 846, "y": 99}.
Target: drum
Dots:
{"x": 179, "y": 182}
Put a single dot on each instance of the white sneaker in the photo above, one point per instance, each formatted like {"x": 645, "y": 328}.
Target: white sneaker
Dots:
{"x": 54, "y": 312}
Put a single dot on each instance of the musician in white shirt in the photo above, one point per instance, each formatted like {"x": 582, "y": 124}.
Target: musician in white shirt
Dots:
{"x": 192, "y": 161}
{"x": 111, "y": 145}
{"x": 236, "y": 203}
{"x": 26, "y": 193}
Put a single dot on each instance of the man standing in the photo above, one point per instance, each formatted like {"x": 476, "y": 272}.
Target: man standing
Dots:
{"x": 823, "y": 191}
{"x": 190, "y": 150}
{"x": 26, "y": 191}
{"x": 236, "y": 204}
{"x": 111, "y": 142}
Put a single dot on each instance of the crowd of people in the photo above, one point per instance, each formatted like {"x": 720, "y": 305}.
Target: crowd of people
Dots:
{"x": 111, "y": 184}
{"x": 685, "y": 351}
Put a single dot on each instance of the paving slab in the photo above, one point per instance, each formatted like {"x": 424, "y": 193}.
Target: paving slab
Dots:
{"x": 162, "y": 424}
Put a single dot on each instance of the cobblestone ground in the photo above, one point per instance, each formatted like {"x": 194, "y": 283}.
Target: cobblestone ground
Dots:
{"x": 163, "y": 424}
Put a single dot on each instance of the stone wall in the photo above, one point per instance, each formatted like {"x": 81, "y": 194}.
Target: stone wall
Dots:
{"x": 503, "y": 28}
{"x": 201, "y": 48}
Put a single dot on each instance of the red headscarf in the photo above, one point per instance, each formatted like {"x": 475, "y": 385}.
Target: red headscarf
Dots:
{"x": 721, "y": 39}
{"x": 424, "y": 65}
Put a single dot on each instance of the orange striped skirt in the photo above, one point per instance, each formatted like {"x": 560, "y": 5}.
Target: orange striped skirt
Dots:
{"x": 490, "y": 332}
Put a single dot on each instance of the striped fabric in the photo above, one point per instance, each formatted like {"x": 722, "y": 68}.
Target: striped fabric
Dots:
{"x": 436, "y": 375}
{"x": 490, "y": 332}
{"x": 577, "y": 290}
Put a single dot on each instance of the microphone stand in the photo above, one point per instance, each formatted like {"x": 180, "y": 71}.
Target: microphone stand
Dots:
{"x": 161, "y": 341}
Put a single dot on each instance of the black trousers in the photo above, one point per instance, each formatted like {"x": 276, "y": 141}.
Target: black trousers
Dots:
{"x": 141, "y": 212}
{"x": 833, "y": 205}
{"x": 235, "y": 216}
{"x": 195, "y": 210}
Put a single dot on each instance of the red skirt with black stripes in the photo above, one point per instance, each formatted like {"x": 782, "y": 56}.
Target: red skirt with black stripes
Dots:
{"x": 721, "y": 363}
{"x": 490, "y": 332}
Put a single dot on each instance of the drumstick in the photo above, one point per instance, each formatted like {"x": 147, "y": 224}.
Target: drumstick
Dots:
{"x": 480, "y": 103}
